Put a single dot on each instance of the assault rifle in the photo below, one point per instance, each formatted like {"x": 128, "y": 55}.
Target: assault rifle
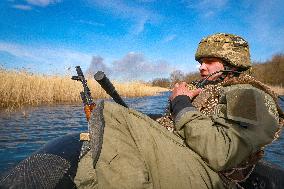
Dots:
{"x": 87, "y": 99}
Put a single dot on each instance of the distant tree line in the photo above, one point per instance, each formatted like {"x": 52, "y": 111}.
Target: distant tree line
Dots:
{"x": 270, "y": 72}
{"x": 175, "y": 76}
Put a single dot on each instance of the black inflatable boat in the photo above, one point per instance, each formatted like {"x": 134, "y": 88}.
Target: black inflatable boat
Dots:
{"x": 55, "y": 166}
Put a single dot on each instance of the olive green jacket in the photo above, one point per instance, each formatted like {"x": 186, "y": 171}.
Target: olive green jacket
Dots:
{"x": 245, "y": 120}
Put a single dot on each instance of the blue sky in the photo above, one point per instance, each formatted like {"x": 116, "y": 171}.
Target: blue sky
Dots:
{"x": 137, "y": 39}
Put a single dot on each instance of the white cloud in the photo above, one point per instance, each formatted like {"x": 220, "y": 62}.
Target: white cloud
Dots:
{"x": 16, "y": 50}
{"x": 91, "y": 23}
{"x": 137, "y": 14}
{"x": 207, "y": 4}
{"x": 31, "y": 3}
{"x": 42, "y": 3}
{"x": 46, "y": 59}
{"x": 22, "y": 7}
{"x": 135, "y": 66}
{"x": 145, "y": 1}
{"x": 207, "y": 8}
{"x": 139, "y": 26}
{"x": 169, "y": 38}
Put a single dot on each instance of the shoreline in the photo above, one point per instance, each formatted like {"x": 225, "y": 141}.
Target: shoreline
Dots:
{"x": 277, "y": 89}
{"x": 16, "y": 106}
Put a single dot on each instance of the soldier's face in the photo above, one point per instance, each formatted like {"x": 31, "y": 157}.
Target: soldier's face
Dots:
{"x": 210, "y": 65}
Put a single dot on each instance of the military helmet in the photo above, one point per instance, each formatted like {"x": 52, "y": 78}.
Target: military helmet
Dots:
{"x": 232, "y": 49}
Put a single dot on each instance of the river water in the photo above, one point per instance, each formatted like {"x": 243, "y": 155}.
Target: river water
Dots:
{"x": 25, "y": 131}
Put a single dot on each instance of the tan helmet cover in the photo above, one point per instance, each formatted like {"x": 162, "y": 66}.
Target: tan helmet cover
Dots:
{"x": 230, "y": 48}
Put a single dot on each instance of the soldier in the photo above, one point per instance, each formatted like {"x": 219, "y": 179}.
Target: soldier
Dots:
{"x": 222, "y": 124}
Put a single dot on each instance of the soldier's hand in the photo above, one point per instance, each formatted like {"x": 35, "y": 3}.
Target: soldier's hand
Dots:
{"x": 182, "y": 89}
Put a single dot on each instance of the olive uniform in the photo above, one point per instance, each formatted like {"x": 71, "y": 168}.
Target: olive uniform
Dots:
{"x": 221, "y": 130}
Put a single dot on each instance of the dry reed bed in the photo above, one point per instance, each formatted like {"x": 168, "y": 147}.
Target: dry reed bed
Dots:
{"x": 18, "y": 88}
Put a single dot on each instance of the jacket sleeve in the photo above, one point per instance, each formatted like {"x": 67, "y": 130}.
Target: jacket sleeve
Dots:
{"x": 246, "y": 119}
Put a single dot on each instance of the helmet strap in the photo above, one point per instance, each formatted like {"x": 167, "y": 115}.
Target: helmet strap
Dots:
{"x": 227, "y": 72}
